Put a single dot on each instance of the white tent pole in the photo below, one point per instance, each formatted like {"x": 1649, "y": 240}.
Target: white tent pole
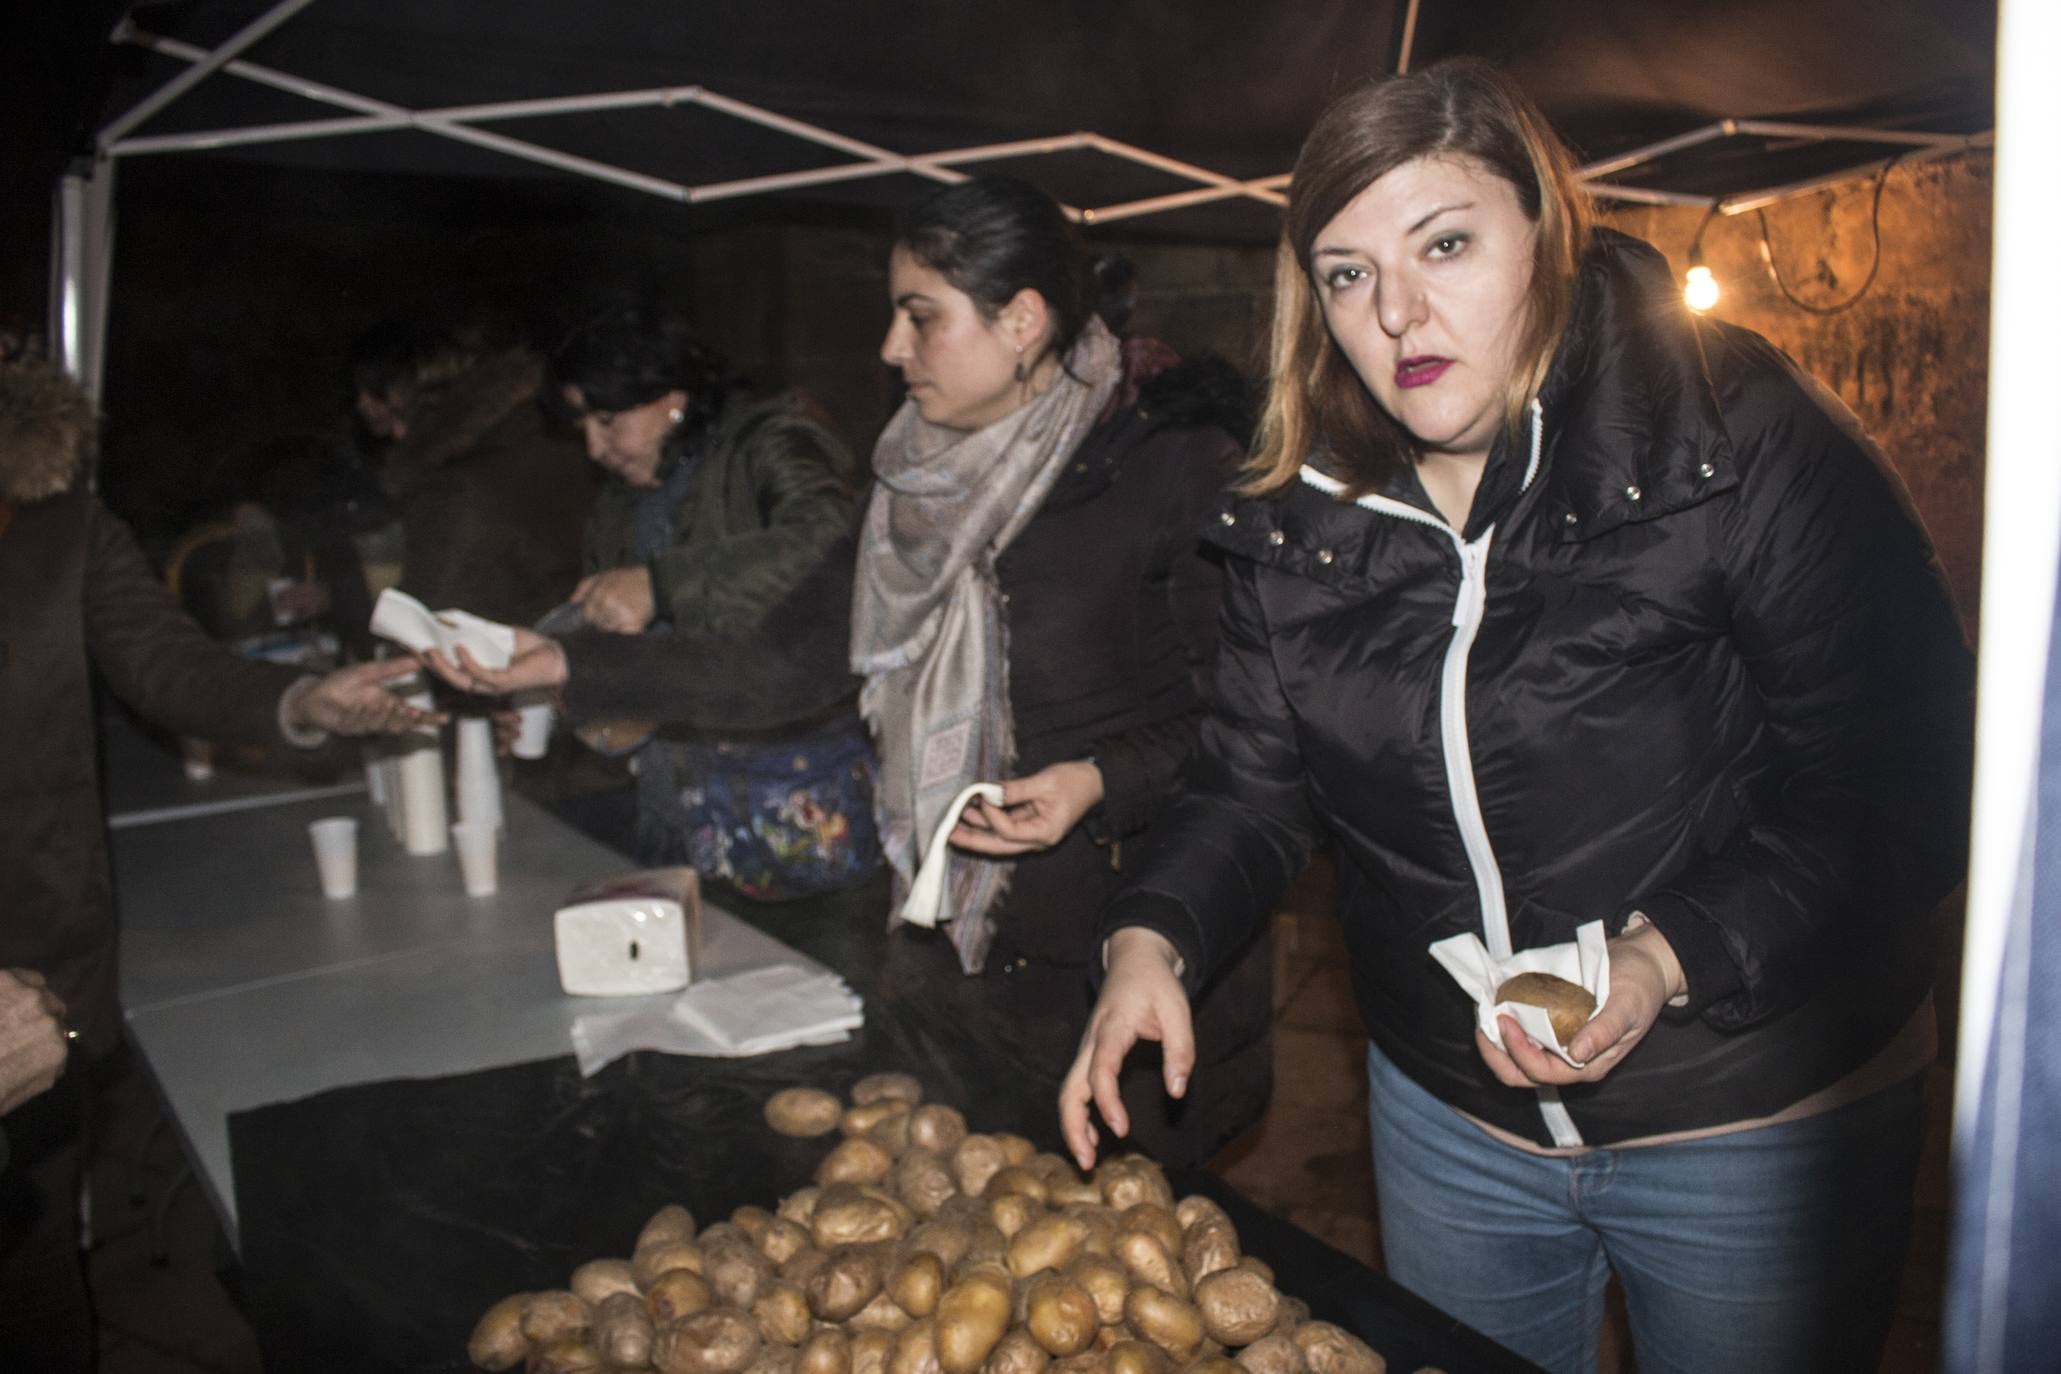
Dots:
{"x": 1759, "y": 200}
{"x": 1402, "y": 61}
{"x": 798, "y": 129}
{"x": 98, "y": 265}
{"x": 68, "y": 274}
{"x": 205, "y": 67}
{"x": 1724, "y": 128}
{"x": 1133, "y": 209}
{"x": 1182, "y": 169}
{"x": 1843, "y": 133}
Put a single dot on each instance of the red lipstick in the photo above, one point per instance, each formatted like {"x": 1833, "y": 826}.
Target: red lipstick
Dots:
{"x": 1422, "y": 370}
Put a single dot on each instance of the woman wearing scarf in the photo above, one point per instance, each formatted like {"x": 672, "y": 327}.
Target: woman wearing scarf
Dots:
{"x": 1030, "y": 609}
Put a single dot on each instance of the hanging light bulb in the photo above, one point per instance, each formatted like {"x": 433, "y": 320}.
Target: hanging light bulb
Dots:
{"x": 1700, "y": 289}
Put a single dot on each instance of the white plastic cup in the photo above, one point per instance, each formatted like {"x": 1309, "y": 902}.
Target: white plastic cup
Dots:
{"x": 336, "y": 854}
{"x": 197, "y": 757}
{"x": 475, "y": 843}
{"x": 534, "y": 715}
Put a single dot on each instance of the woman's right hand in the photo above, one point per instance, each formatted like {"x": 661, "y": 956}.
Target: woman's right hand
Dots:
{"x": 1142, "y": 999}
{"x": 538, "y": 662}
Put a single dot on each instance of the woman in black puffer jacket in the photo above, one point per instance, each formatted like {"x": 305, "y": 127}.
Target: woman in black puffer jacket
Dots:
{"x": 1547, "y": 604}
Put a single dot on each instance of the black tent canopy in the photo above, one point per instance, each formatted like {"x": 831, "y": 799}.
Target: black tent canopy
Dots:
{"x": 1184, "y": 114}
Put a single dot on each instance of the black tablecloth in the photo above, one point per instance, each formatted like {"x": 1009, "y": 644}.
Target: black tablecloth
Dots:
{"x": 378, "y": 1221}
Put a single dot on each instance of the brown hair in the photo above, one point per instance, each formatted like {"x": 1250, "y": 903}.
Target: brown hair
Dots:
{"x": 1460, "y": 108}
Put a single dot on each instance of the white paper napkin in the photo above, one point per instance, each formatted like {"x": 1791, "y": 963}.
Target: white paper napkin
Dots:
{"x": 401, "y": 618}
{"x": 1585, "y": 960}
{"x": 756, "y": 1011}
{"x": 927, "y": 892}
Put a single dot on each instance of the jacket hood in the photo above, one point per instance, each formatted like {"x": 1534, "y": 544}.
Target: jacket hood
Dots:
{"x": 456, "y": 416}
{"x": 46, "y": 431}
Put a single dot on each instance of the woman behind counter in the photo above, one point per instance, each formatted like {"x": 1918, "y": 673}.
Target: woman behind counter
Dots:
{"x": 715, "y": 511}
{"x": 1030, "y": 606}
{"x": 1548, "y": 603}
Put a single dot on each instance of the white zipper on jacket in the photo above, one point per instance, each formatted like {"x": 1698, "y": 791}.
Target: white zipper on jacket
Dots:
{"x": 1468, "y": 607}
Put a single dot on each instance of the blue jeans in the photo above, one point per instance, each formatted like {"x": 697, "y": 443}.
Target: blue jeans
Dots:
{"x": 1771, "y": 1250}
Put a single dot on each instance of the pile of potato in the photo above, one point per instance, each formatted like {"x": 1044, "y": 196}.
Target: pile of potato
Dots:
{"x": 923, "y": 1249}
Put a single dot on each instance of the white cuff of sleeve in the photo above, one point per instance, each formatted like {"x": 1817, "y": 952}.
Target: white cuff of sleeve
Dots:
{"x": 288, "y": 700}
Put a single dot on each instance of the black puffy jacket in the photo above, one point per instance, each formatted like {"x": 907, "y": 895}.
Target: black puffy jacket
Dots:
{"x": 1690, "y": 656}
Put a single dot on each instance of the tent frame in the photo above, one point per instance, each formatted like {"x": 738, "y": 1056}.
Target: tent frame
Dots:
{"x": 83, "y": 229}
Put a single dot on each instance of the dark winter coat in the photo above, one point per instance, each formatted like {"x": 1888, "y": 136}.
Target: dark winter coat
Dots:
{"x": 492, "y": 503}
{"x": 765, "y": 502}
{"x": 77, "y": 598}
{"x": 1698, "y": 663}
{"x": 1111, "y": 607}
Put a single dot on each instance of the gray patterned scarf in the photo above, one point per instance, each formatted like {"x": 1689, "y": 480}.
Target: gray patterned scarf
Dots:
{"x": 927, "y": 629}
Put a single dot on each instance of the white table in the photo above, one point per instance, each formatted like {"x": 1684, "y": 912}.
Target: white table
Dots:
{"x": 243, "y": 985}
{"x": 147, "y": 785}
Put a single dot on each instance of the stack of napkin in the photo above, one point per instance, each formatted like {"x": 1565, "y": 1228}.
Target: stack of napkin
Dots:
{"x": 755, "y": 1011}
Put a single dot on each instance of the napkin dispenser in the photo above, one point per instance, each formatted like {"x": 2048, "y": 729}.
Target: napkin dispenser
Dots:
{"x": 631, "y": 935}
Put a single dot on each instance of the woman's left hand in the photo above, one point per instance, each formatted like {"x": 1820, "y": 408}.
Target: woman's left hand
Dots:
{"x": 1644, "y": 976}
{"x": 620, "y": 600}
{"x": 536, "y": 662}
{"x": 1036, "y": 812}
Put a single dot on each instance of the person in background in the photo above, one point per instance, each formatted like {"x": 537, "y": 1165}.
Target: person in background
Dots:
{"x": 1031, "y": 606}
{"x": 1549, "y": 603}
{"x": 77, "y": 600}
{"x": 716, "y": 508}
{"x": 1116, "y": 291}
{"x": 491, "y": 500}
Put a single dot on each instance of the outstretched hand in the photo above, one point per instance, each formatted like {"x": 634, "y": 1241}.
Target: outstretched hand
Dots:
{"x": 1035, "y": 813}
{"x": 32, "y": 1037}
{"x": 1644, "y": 976}
{"x": 537, "y": 663}
{"x": 355, "y": 701}
{"x": 1142, "y": 999}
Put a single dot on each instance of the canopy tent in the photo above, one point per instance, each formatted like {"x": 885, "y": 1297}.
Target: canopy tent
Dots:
{"x": 1182, "y": 113}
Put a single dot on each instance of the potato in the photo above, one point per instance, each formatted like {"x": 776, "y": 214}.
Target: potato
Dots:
{"x": 1273, "y": 1354}
{"x": 1107, "y": 1338}
{"x": 1568, "y": 1005}
{"x": 922, "y": 1179}
{"x": 1154, "y": 1219}
{"x": 1293, "y": 1313}
{"x": 721, "y": 1340}
{"x": 670, "y": 1223}
{"x": 977, "y": 1159}
{"x": 1131, "y": 1179}
{"x": 676, "y": 1294}
{"x": 497, "y": 1341}
{"x": 622, "y": 1329}
{"x": 719, "y": 1232}
{"x": 1015, "y": 1149}
{"x": 555, "y": 1315}
{"x": 1062, "y": 1316}
{"x": 947, "y": 1240}
{"x": 1196, "y": 1208}
{"x": 803, "y": 1112}
{"x": 917, "y": 1282}
{"x": 1012, "y": 1212}
{"x": 826, "y": 1351}
{"x": 751, "y": 1220}
{"x": 1207, "y": 1247}
{"x": 1071, "y": 1190}
{"x": 1017, "y": 1353}
{"x": 783, "y": 1314}
{"x": 570, "y": 1355}
{"x": 1237, "y": 1305}
{"x": 1169, "y": 1323}
{"x": 937, "y": 1127}
{"x": 871, "y": 1349}
{"x": 737, "y": 1270}
{"x": 987, "y": 1246}
{"x": 883, "y": 1313}
{"x": 1106, "y": 1281}
{"x": 801, "y": 1266}
{"x": 1048, "y": 1242}
{"x": 876, "y": 1087}
{"x": 858, "y": 1159}
{"x": 1213, "y": 1364}
{"x": 651, "y": 1261}
{"x": 598, "y": 1279}
{"x": 782, "y": 1239}
{"x": 1137, "y": 1357}
{"x": 774, "y": 1359}
{"x": 1015, "y": 1178}
{"x": 972, "y": 1316}
{"x": 1149, "y": 1262}
{"x": 915, "y": 1350}
{"x": 848, "y": 1280}
{"x": 1329, "y": 1349}
{"x": 1101, "y": 1223}
{"x": 799, "y": 1205}
{"x": 885, "y": 1122}
{"x": 844, "y": 1215}
{"x": 1257, "y": 1266}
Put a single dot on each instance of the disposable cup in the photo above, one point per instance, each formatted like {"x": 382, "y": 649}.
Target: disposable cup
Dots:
{"x": 336, "y": 854}
{"x": 474, "y": 841}
{"x": 533, "y": 729}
